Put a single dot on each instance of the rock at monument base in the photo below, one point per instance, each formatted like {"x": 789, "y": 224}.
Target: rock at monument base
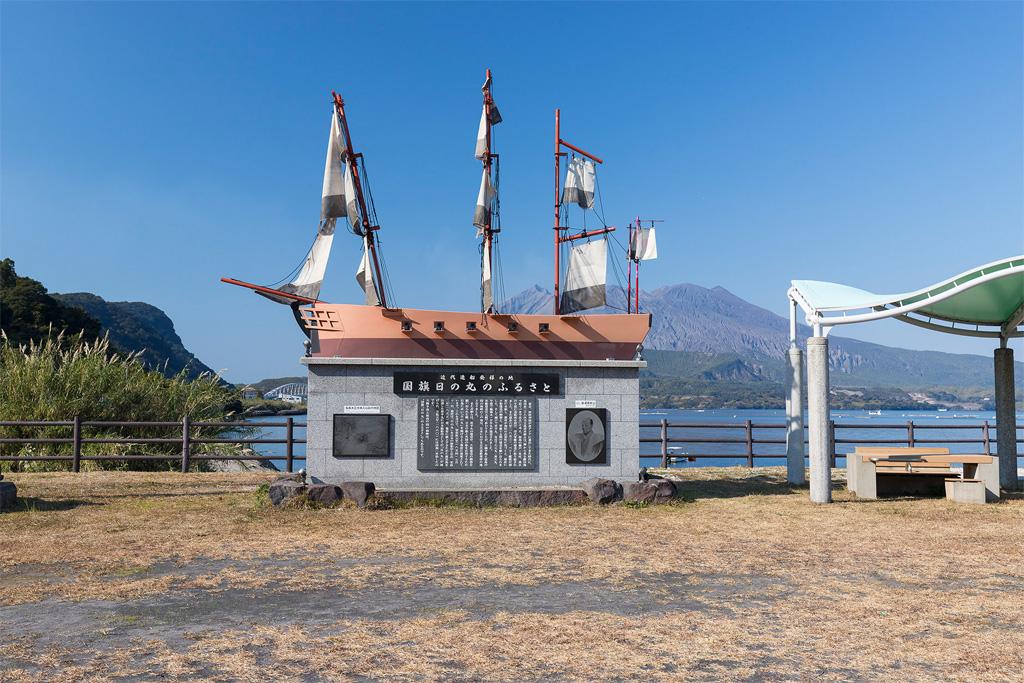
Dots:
{"x": 666, "y": 490}
{"x": 327, "y": 495}
{"x": 640, "y": 492}
{"x": 285, "y": 489}
{"x": 602, "y": 491}
{"x": 8, "y": 495}
{"x": 358, "y": 491}
{"x": 650, "y": 491}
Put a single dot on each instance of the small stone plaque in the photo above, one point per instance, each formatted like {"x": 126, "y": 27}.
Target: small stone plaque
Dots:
{"x": 362, "y": 436}
{"x": 480, "y": 434}
{"x": 586, "y": 436}
{"x": 361, "y": 410}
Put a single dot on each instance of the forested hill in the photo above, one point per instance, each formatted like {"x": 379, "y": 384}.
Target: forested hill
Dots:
{"x": 138, "y": 326}
{"x": 29, "y": 312}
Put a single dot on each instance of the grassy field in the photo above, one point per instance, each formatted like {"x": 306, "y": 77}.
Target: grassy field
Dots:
{"x": 161, "y": 576}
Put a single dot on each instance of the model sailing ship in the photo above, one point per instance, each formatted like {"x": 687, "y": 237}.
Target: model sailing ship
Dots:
{"x": 377, "y": 329}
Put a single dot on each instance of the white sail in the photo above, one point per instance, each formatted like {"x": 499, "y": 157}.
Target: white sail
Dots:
{"x": 352, "y": 204}
{"x": 643, "y": 246}
{"x": 483, "y": 203}
{"x": 481, "y": 136}
{"x": 485, "y": 279}
{"x": 586, "y": 277}
{"x": 311, "y": 275}
{"x": 332, "y": 206}
{"x": 481, "y": 131}
{"x": 364, "y": 276}
{"x": 579, "y": 183}
{"x": 332, "y": 202}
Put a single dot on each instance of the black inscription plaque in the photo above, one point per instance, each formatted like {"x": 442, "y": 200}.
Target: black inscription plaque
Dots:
{"x": 493, "y": 382}
{"x": 362, "y": 436}
{"x": 479, "y": 434}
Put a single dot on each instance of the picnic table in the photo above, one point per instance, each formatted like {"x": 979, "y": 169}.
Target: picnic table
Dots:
{"x": 877, "y": 471}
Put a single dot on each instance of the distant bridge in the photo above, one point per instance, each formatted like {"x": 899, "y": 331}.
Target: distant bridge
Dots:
{"x": 300, "y": 389}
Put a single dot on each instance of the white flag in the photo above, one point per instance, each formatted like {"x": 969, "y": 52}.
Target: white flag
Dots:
{"x": 644, "y": 246}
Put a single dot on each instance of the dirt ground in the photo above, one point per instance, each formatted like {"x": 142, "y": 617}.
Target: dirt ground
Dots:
{"x": 126, "y": 577}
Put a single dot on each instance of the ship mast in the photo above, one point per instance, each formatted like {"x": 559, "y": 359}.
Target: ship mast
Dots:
{"x": 561, "y": 238}
{"x": 487, "y": 258}
{"x": 364, "y": 227}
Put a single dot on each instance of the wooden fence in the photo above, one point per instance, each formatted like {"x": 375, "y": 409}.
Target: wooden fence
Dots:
{"x": 748, "y": 438}
{"x": 675, "y": 433}
{"x": 186, "y": 440}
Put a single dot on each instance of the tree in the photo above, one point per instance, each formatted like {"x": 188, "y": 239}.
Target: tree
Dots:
{"x": 29, "y": 313}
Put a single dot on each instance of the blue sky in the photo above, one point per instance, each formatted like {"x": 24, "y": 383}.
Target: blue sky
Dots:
{"x": 149, "y": 149}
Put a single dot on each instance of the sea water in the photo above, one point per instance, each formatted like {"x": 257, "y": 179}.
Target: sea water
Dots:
{"x": 847, "y": 423}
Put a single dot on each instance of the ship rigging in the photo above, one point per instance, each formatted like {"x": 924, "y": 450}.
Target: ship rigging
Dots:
{"x": 345, "y": 196}
{"x": 377, "y": 328}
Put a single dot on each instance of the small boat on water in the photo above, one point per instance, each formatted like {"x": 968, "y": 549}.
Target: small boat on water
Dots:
{"x": 379, "y": 328}
{"x": 874, "y": 412}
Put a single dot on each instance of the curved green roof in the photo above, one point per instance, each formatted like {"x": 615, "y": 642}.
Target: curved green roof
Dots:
{"x": 984, "y": 301}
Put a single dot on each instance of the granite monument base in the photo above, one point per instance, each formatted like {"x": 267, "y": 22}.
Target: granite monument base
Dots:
{"x": 449, "y": 425}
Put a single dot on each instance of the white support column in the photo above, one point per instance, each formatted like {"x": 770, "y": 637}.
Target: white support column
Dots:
{"x": 818, "y": 418}
{"x": 1006, "y": 419}
{"x": 794, "y": 406}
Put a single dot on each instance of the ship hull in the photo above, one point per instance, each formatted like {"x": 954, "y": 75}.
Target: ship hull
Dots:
{"x": 353, "y": 331}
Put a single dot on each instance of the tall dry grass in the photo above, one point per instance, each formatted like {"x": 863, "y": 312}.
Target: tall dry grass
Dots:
{"x": 59, "y": 378}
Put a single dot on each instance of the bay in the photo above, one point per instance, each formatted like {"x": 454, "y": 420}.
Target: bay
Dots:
{"x": 938, "y": 426}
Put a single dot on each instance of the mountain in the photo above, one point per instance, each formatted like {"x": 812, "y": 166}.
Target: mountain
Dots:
{"x": 139, "y": 327}
{"x": 713, "y": 335}
{"x": 536, "y": 299}
{"x": 28, "y": 312}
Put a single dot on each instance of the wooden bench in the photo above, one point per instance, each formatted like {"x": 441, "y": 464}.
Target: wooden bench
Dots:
{"x": 874, "y": 471}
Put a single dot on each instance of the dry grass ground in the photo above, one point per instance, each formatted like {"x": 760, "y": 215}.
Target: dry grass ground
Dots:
{"x": 113, "y": 576}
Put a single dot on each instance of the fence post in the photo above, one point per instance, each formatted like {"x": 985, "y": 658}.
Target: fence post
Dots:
{"x": 185, "y": 444}
{"x": 76, "y": 445}
{"x": 289, "y": 454}
{"x": 910, "y": 433}
{"x": 985, "y": 438}
{"x": 664, "y": 443}
{"x": 748, "y": 428}
{"x": 832, "y": 443}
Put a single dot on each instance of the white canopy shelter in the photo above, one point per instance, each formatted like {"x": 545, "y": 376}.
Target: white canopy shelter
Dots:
{"x": 987, "y": 301}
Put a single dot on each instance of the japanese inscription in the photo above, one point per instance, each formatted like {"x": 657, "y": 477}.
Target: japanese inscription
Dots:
{"x": 484, "y": 434}
{"x": 492, "y": 382}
